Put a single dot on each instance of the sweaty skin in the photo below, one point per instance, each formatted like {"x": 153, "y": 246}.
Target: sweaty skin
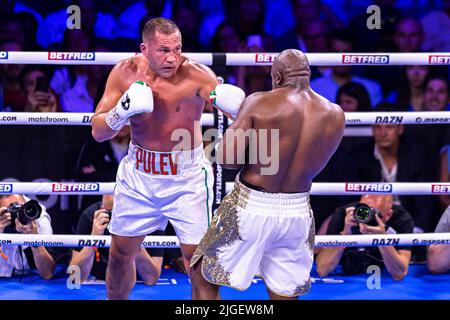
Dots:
{"x": 178, "y": 99}
{"x": 310, "y": 127}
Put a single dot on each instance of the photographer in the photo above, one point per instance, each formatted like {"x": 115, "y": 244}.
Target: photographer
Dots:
{"x": 438, "y": 255}
{"x": 386, "y": 218}
{"x": 17, "y": 259}
{"x": 91, "y": 260}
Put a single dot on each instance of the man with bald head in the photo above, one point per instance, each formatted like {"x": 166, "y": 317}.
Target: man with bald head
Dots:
{"x": 265, "y": 226}
{"x": 389, "y": 218}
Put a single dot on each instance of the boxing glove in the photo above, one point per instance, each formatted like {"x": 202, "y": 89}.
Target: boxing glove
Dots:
{"x": 227, "y": 98}
{"x": 137, "y": 99}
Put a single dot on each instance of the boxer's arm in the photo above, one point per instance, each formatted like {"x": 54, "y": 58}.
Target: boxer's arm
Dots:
{"x": 101, "y": 131}
{"x": 232, "y": 148}
{"x": 227, "y": 98}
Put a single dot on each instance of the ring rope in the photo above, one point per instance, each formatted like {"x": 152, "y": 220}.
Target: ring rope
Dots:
{"x": 409, "y": 239}
{"x": 230, "y": 59}
{"x": 207, "y": 119}
{"x": 318, "y": 188}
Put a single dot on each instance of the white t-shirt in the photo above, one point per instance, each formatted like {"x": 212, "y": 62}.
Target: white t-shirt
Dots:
{"x": 16, "y": 263}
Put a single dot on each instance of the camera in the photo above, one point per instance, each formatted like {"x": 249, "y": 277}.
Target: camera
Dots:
{"x": 25, "y": 213}
{"x": 365, "y": 214}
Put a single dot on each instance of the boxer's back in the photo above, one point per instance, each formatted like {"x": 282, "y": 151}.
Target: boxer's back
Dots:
{"x": 310, "y": 130}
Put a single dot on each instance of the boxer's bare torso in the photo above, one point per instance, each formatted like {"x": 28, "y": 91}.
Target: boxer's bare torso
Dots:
{"x": 310, "y": 130}
{"x": 178, "y": 101}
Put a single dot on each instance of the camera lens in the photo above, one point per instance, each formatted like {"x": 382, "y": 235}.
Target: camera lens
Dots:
{"x": 31, "y": 210}
{"x": 362, "y": 214}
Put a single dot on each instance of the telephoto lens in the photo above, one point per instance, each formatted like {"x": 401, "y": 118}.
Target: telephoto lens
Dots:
{"x": 365, "y": 214}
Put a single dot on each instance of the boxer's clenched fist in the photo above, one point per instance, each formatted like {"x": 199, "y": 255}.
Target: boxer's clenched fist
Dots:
{"x": 137, "y": 99}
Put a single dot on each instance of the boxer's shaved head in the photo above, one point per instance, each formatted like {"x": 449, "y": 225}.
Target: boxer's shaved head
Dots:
{"x": 161, "y": 25}
{"x": 290, "y": 67}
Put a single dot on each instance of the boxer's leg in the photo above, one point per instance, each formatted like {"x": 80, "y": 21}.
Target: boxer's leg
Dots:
{"x": 202, "y": 289}
{"x": 187, "y": 250}
{"x": 121, "y": 270}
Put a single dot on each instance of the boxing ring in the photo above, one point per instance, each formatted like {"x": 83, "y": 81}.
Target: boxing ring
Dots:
{"x": 418, "y": 284}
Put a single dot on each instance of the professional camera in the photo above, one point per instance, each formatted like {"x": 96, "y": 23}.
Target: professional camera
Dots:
{"x": 365, "y": 214}
{"x": 25, "y": 213}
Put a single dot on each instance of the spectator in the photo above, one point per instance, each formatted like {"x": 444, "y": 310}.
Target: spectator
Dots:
{"x": 13, "y": 97}
{"x": 35, "y": 84}
{"x": 188, "y": 20}
{"x": 394, "y": 219}
{"x": 340, "y": 41}
{"x": 433, "y": 136}
{"x": 408, "y": 35}
{"x": 444, "y": 174}
{"x": 128, "y": 28}
{"x": 91, "y": 260}
{"x": 98, "y": 73}
{"x": 30, "y": 27}
{"x": 98, "y": 162}
{"x": 315, "y": 35}
{"x": 409, "y": 95}
{"x": 376, "y": 40}
{"x": 19, "y": 260}
{"x": 387, "y": 158}
{"x": 436, "y": 93}
{"x": 226, "y": 39}
{"x": 94, "y": 22}
{"x": 438, "y": 255}
{"x": 353, "y": 97}
{"x": 307, "y": 12}
{"x": 340, "y": 168}
{"x": 249, "y": 24}
{"x": 12, "y": 28}
{"x": 72, "y": 83}
{"x": 434, "y": 24}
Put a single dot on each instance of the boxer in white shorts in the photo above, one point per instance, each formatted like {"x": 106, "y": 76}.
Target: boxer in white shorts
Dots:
{"x": 155, "y": 187}
{"x": 159, "y": 93}
{"x": 265, "y": 225}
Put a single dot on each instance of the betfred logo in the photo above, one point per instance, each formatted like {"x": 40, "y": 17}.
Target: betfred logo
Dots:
{"x": 365, "y": 59}
{"x": 265, "y": 58}
{"x": 84, "y": 56}
{"x": 440, "y": 188}
{"x": 439, "y": 59}
{"x": 75, "y": 187}
{"x": 4, "y": 55}
{"x": 368, "y": 187}
{"x": 6, "y": 188}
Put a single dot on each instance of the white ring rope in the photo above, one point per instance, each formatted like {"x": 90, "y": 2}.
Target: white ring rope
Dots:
{"x": 55, "y": 240}
{"x": 207, "y": 119}
{"x": 231, "y": 59}
{"x": 318, "y": 188}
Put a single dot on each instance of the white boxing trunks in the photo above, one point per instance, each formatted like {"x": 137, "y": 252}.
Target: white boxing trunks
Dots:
{"x": 155, "y": 187}
{"x": 260, "y": 233}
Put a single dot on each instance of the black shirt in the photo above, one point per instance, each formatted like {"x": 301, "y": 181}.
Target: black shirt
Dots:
{"x": 357, "y": 259}
{"x": 101, "y": 261}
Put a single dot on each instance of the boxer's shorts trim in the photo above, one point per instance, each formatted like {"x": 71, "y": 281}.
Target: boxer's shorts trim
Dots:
{"x": 207, "y": 195}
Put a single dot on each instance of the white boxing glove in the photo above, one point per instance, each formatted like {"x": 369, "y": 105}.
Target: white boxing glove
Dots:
{"x": 227, "y": 98}
{"x": 137, "y": 99}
